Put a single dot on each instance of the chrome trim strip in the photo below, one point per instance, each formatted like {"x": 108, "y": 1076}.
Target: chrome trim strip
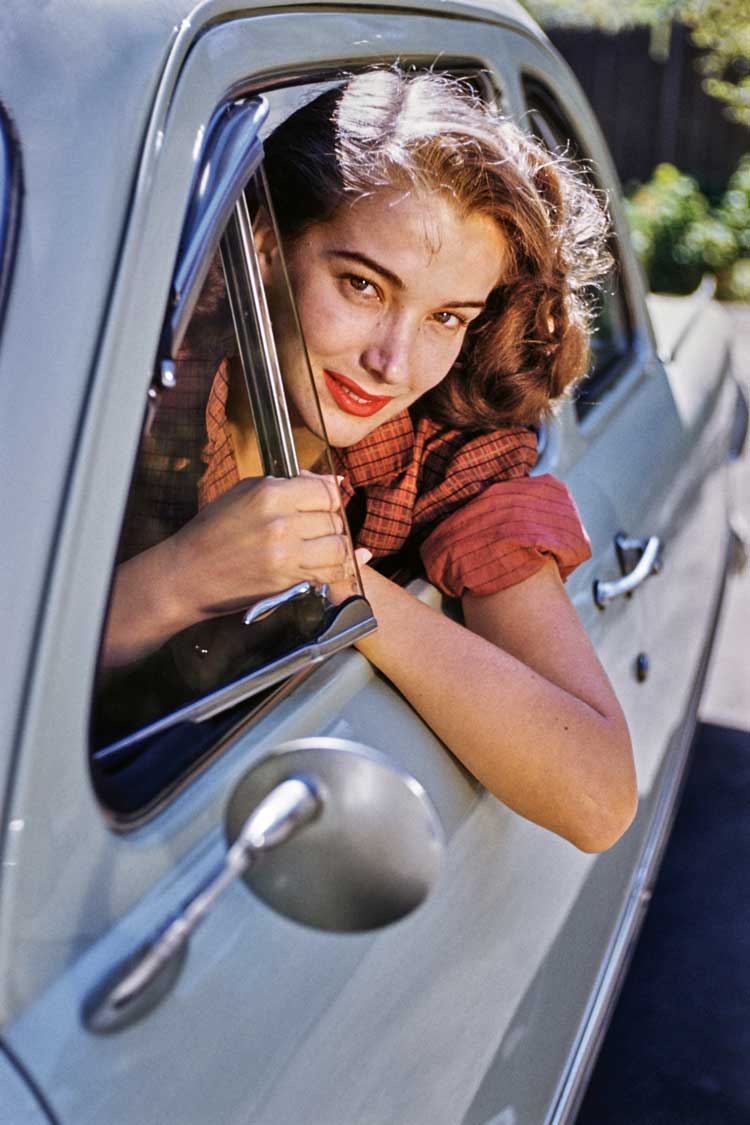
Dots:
{"x": 230, "y": 156}
{"x": 353, "y": 620}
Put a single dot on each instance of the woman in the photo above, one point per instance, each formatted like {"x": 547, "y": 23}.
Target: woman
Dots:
{"x": 439, "y": 260}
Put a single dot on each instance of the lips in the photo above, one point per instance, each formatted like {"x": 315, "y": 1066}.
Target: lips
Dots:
{"x": 352, "y": 398}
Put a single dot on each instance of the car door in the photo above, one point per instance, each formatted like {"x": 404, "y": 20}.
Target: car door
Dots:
{"x": 442, "y": 1017}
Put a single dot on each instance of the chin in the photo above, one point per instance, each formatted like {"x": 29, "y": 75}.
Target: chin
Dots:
{"x": 343, "y": 431}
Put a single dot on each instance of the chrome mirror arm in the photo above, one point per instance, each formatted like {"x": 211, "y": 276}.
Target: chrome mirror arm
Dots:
{"x": 139, "y": 983}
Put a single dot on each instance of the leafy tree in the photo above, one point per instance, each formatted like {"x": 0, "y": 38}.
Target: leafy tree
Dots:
{"x": 721, "y": 28}
{"x": 602, "y": 14}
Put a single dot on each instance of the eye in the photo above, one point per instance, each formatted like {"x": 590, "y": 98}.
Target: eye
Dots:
{"x": 450, "y": 320}
{"x": 360, "y": 284}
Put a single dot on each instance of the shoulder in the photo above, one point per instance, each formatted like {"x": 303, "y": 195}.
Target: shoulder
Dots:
{"x": 451, "y": 467}
{"x": 504, "y": 534}
{"x": 486, "y": 457}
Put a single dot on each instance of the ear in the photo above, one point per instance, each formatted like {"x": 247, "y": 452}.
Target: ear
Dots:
{"x": 266, "y": 245}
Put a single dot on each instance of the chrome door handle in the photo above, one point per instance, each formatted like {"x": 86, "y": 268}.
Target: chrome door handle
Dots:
{"x": 649, "y": 563}
{"x": 267, "y": 605}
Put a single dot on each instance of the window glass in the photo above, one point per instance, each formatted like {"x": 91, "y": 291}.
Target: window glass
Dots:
{"x": 611, "y": 336}
{"x": 166, "y": 695}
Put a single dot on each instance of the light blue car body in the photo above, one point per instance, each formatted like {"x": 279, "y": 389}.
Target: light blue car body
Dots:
{"x": 487, "y": 1003}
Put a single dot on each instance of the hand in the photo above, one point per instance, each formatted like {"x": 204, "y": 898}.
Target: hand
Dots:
{"x": 262, "y": 536}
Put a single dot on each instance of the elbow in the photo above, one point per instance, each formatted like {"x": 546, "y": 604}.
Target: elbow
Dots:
{"x": 604, "y": 832}
{"x": 608, "y": 819}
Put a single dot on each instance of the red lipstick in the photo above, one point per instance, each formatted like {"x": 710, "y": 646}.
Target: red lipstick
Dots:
{"x": 352, "y": 398}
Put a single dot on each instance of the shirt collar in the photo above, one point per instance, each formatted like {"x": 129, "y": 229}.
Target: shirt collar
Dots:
{"x": 381, "y": 455}
{"x": 377, "y": 458}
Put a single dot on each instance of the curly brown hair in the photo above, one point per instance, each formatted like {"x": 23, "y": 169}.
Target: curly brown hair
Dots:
{"x": 425, "y": 131}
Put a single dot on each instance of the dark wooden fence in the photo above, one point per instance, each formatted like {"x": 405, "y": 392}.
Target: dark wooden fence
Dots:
{"x": 652, "y": 111}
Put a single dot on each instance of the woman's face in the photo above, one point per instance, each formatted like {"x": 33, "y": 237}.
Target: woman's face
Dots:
{"x": 385, "y": 291}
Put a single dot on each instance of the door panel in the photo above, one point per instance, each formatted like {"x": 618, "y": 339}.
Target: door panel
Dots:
{"x": 683, "y": 502}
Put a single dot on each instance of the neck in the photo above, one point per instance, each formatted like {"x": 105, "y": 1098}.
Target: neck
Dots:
{"x": 240, "y": 421}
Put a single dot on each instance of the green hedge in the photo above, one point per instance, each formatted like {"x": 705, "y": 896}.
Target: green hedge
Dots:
{"x": 679, "y": 235}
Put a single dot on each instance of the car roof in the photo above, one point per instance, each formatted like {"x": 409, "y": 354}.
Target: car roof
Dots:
{"x": 104, "y": 59}
{"x": 97, "y": 35}
{"x": 65, "y": 63}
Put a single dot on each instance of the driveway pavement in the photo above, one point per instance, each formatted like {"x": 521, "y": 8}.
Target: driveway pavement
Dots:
{"x": 678, "y": 1047}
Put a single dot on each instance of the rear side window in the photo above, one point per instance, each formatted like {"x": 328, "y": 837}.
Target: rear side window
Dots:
{"x": 612, "y": 336}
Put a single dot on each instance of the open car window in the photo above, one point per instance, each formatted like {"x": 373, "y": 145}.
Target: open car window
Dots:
{"x": 215, "y": 414}
{"x": 611, "y": 339}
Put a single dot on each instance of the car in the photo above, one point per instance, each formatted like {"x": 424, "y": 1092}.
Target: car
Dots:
{"x": 268, "y": 893}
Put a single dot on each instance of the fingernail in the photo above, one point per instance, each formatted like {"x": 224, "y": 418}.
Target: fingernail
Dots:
{"x": 340, "y": 480}
{"x": 363, "y": 555}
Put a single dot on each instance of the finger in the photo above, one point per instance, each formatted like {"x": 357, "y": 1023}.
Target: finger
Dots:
{"x": 308, "y": 473}
{"x": 328, "y": 550}
{"x": 331, "y": 574}
{"x": 313, "y": 493}
{"x": 315, "y": 525}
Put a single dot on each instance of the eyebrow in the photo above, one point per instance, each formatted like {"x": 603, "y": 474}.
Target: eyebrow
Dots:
{"x": 370, "y": 263}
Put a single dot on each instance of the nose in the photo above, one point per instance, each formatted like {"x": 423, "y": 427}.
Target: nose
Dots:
{"x": 387, "y": 353}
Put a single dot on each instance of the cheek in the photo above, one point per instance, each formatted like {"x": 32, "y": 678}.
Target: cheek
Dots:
{"x": 329, "y": 326}
{"x": 435, "y": 359}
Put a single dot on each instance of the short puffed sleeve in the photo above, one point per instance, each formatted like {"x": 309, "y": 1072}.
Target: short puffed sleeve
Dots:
{"x": 504, "y": 535}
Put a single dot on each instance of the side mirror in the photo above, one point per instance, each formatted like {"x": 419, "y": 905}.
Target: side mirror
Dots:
{"x": 327, "y": 832}
{"x": 371, "y": 854}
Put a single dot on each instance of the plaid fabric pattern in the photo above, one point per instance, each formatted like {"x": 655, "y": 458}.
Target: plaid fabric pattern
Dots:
{"x": 504, "y": 536}
{"x": 171, "y": 465}
{"x": 481, "y": 521}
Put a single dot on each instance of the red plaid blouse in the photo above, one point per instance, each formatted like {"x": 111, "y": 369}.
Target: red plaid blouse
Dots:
{"x": 480, "y": 521}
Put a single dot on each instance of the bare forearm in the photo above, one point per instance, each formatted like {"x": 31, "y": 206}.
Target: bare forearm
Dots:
{"x": 549, "y": 755}
{"x": 261, "y": 536}
{"x": 145, "y": 610}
